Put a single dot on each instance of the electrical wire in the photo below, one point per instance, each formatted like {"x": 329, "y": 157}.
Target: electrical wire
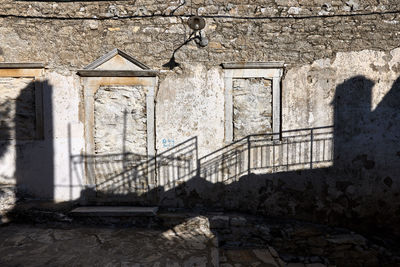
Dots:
{"x": 204, "y": 16}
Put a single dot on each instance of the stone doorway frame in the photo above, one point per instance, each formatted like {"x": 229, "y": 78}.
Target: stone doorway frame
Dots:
{"x": 268, "y": 70}
{"x": 91, "y": 82}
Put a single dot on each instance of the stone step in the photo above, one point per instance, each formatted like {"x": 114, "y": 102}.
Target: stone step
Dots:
{"x": 115, "y": 211}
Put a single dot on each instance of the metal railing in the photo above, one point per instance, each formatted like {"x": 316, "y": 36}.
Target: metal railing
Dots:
{"x": 269, "y": 153}
{"x": 261, "y": 154}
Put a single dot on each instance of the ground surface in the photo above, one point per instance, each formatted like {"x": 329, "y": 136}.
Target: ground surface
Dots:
{"x": 46, "y": 236}
{"x": 188, "y": 244}
{"x": 26, "y": 245}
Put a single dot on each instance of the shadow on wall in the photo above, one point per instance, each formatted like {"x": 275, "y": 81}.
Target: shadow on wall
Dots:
{"x": 347, "y": 175}
{"x": 132, "y": 178}
{"x": 367, "y": 139}
{"x": 5, "y": 109}
{"x": 34, "y": 170}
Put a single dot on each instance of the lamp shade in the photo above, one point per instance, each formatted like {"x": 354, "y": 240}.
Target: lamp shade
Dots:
{"x": 196, "y": 23}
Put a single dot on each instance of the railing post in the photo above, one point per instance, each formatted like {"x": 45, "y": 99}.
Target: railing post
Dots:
{"x": 198, "y": 166}
{"x": 311, "y": 147}
{"x": 248, "y": 155}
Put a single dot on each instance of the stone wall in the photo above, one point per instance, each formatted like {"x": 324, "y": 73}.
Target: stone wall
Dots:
{"x": 120, "y": 120}
{"x": 17, "y": 108}
{"x": 341, "y": 69}
{"x": 190, "y": 104}
{"x": 7, "y": 202}
{"x": 151, "y": 31}
{"x": 252, "y": 107}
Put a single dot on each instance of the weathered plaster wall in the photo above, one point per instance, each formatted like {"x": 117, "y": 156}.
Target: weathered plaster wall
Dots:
{"x": 310, "y": 89}
{"x": 191, "y": 104}
{"x": 40, "y": 167}
{"x": 341, "y": 71}
{"x": 358, "y": 94}
{"x": 67, "y": 114}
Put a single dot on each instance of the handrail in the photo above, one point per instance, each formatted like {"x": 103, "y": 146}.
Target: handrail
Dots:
{"x": 266, "y": 134}
{"x": 229, "y": 145}
{"x": 257, "y": 152}
{"x": 298, "y": 148}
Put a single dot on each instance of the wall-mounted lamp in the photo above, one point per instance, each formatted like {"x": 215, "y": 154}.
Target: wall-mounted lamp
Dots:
{"x": 195, "y": 23}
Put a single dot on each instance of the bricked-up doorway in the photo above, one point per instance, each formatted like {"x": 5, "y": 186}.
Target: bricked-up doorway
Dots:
{"x": 252, "y": 106}
{"x": 119, "y": 120}
{"x": 252, "y": 99}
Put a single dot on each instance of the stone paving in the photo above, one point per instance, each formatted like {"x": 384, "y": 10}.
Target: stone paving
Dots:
{"x": 188, "y": 244}
{"x": 28, "y": 245}
{"x": 259, "y": 257}
{"x": 214, "y": 239}
{"x": 299, "y": 243}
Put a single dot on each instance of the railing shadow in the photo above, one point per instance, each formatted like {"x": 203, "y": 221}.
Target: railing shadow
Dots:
{"x": 130, "y": 176}
{"x": 109, "y": 171}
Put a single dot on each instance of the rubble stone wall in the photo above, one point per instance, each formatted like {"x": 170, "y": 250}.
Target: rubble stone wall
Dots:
{"x": 252, "y": 103}
{"x": 120, "y": 120}
{"x": 80, "y": 32}
{"x": 17, "y": 108}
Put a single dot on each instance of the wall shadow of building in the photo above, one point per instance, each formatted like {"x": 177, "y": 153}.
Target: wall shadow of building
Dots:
{"x": 345, "y": 175}
{"x": 258, "y": 174}
{"x": 4, "y": 127}
{"x": 30, "y": 142}
{"x": 34, "y": 167}
{"x": 5, "y": 139}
